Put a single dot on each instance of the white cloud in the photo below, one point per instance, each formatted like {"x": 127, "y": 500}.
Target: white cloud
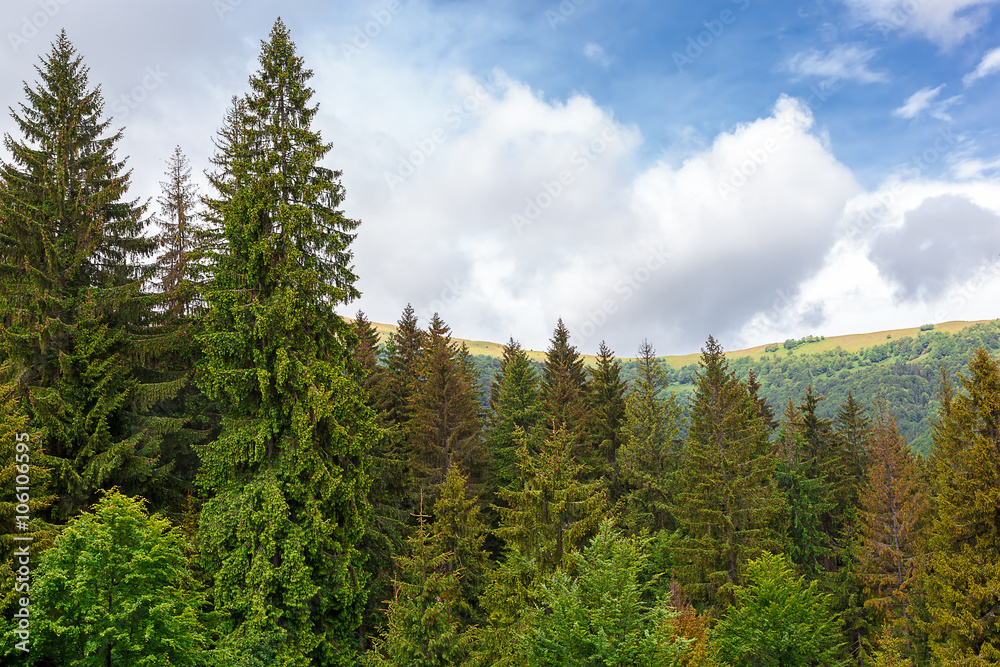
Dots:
{"x": 846, "y": 62}
{"x": 595, "y": 53}
{"x": 917, "y": 102}
{"x": 946, "y": 23}
{"x": 990, "y": 64}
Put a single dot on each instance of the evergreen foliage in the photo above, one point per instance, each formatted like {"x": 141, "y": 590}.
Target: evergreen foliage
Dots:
{"x": 288, "y": 473}
{"x": 606, "y": 404}
{"x": 514, "y": 404}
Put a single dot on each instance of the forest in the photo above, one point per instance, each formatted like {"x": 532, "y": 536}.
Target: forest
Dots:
{"x": 202, "y": 463}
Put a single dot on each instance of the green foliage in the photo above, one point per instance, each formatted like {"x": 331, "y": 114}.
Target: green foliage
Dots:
{"x": 597, "y": 616}
{"x": 606, "y": 403}
{"x": 963, "y": 579}
{"x": 728, "y": 503}
{"x": 650, "y": 458}
{"x": 114, "y": 589}
{"x": 288, "y": 472}
{"x": 564, "y": 399}
{"x": 514, "y": 404}
{"x": 778, "y": 620}
{"x": 70, "y": 286}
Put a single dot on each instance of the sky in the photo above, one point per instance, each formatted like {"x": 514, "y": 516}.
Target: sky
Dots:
{"x": 642, "y": 169}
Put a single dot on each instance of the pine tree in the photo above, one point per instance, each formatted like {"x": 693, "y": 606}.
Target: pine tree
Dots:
{"x": 390, "y": 492}
{"x": 893, "y": 507}
{"x": 564, "y": 396}
{"x": 403, "y": 350}
{"x": 650, "y": 457}
{"x": 606, "y": 404}
{"x": 444, "y": 429}
{"x": 71, "y": 283}
{"x": 729, "y": 505}
{"x": 288, "y": 472}
{"x": 553, "y": 512}
{"x": 178, "y": 268}
{"x": 963, "y": 578}
{"x": 423, "y": 627}
{"x": 514, "y": 404}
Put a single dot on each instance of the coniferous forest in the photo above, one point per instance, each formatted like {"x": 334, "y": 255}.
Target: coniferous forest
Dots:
{"x": 215, "y": 468}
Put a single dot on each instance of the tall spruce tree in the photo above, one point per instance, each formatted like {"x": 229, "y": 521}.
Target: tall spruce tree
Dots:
{"x": 403, "y": 350}
{"x": 564, "y": 397}
{"x": 650, "y": 457}
{"x": 729, "y": 505}
{"x": 444, "y": 427}
{"x": 606, "y": 403}
{"x": 178, "y": 269}
{"x": 963, "y": 577}
{"x": 514, "y": 404}
{"x": 288, "y": 472}
{"x": 71, "y": 284}
{"x": 892, "y": 517}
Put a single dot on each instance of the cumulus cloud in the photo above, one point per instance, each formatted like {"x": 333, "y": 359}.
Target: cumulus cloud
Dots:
{"x": 990, "y": 64}
{"x": 946, "y": 23}
{"x": 942, "y": 242}
{"x": 845, "y": 62}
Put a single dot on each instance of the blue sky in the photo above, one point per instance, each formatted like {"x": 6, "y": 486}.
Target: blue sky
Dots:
{"x": 669, "y": 170}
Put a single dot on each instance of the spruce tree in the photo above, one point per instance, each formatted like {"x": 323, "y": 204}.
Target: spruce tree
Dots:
{"x": 444, "y": 428}
{"x": 71, "y": 281}
{"x": 606, "y": 403}
{"x": 650, "y": 457}
{"x": 178, "y": 269}
{"x": 963, "y": 577}
{"x": 564, "y": 396}
{"x": 514, "y": 404}
{"x": 893, "y": 508}
{"x": 288, "y": 473}
{"x": 403, "y": 349}
{"x": 729, "y": 505}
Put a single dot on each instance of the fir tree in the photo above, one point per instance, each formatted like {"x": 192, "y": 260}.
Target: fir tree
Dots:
{"x": 444, "y": 428}
{"x": 729, "y": 504}
{"x": 71, "y": 284}
{"x": 288, "y": 472}
{"x": 403, "y": 350}
{"x": 564, "y": 396}
{"x": 514, "y": 404}
{"x": 963, "y": 579}
{"x": 606, "y": 403}
{"x": 893, "y": 506}
{"x": 650, "y": 456}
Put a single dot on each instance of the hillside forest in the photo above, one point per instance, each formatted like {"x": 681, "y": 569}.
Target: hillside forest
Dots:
{"x": 202, "y": 463}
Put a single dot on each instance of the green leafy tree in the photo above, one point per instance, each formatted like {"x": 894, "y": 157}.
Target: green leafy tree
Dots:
{"x": 71, "y": 286}
{"x": 963, "y": 580}
{"x": 288, "y": 472}
{"x": 598, "y": 616}
{"x": 778, "y": 620}
{"x": 729, "y": 505}
{"x": 114, "y": 589}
